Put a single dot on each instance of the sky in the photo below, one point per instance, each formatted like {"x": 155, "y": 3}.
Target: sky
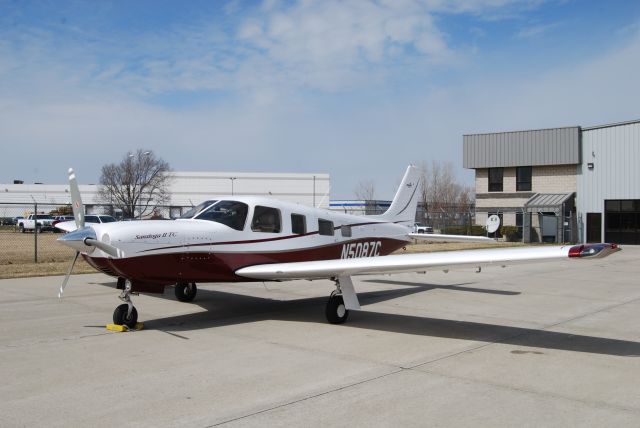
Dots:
{"x": 357, "y": 89}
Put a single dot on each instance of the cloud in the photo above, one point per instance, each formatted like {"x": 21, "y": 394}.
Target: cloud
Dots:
{"x": 536, "y": 30}
{"x": 278, "y": 99}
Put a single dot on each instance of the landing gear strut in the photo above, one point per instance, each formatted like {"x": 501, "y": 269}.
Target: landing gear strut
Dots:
{"x": 186, "y": 291}
{"x": 126, "y": 314}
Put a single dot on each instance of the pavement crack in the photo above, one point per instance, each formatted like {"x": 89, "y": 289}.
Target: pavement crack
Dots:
{"x": 309, "y": 397}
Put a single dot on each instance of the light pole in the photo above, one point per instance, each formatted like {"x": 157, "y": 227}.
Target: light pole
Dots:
{"x": 232, "y": 180}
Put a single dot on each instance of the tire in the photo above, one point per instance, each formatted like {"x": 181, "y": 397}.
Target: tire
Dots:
{"x": 120, "y": 316}
{"x": 22, "y": 228}
{"x": 335, "y": 311}
{"x": 186, "y": 293}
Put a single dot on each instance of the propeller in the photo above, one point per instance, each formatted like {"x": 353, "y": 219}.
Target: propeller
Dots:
{"x": 78, "y": 215}
{"x": 84, "y": 238}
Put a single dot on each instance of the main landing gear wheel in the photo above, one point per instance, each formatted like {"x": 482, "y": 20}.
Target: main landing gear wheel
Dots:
{"x": 336, "y": 312}
{"x": 186, "y": 292}
{"x": 121, "y": 316}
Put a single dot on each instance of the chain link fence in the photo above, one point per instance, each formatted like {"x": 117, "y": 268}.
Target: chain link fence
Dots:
{"x": 27, "y": 245}
{"x": 22, "y": 243}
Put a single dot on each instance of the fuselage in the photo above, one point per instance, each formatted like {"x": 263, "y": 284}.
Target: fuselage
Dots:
{"x": 223, "y": 235}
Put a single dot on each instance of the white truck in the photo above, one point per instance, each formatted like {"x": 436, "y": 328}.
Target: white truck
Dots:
{"x": 44, "y": 222}
{"x": 421, "y": 228}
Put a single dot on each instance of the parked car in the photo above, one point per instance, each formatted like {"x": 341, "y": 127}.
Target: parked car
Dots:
{"x": 7, "y": 221}
{"x": 98, "y": 218}
{"x": 420, "y": 228}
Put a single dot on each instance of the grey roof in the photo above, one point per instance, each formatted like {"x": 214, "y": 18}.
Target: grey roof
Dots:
{"x": 547, "y": 200}
{"x": 557, "y": 146}
{"x": 610, "y": 125}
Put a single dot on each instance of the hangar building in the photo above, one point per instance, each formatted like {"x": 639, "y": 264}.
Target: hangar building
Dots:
{"x": 573, "y": 184}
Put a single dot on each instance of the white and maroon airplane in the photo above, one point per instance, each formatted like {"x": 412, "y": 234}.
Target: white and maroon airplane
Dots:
{"x": 239, "y": 239}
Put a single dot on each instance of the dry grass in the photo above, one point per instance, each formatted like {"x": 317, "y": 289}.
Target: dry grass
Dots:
{"x": 17, "y": 260}
{"x": 16, "y": 254}
{"x": 452, "y": 246}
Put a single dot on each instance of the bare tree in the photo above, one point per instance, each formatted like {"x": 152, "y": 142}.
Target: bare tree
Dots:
{"x": 443, "y": 197}
{"x": 136, "y": 185}
{"x": 366, "y": 190}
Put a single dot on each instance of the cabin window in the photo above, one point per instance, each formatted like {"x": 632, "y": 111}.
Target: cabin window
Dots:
{"x": 298, "y": 224}
{"x": 195, "y": 210}
{"x": 325, "y": 227}
{"x": 266, "y": 219}
{"x": 229, "y": 213}
{"x": 345, "y": 231}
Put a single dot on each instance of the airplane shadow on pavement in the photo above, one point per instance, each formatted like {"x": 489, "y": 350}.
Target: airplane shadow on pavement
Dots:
{"x": 222, "y": 309}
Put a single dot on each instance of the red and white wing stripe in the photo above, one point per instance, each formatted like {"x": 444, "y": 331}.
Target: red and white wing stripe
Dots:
{"x": 420, "y": 262}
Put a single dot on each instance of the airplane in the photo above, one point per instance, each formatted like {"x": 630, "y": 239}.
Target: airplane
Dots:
{"x": 253, "y": 238}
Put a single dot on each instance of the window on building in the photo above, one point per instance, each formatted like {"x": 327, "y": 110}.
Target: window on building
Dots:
{"x": 345, "y": 231}
{"x": 495, "y": 179}
{"x": 523, "y": 179}
{"x": 325, "y": 227}
{"x": 298, "y": 224}
{"x": 266, "y": 219}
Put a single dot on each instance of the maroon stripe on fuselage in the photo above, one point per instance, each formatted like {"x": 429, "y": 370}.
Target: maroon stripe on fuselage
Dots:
{"x": 219, "y": 266}
{"x": 254, "y": 241}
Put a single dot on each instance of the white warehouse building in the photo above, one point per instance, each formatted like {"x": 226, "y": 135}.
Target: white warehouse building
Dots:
{"x": 187, "y": 188}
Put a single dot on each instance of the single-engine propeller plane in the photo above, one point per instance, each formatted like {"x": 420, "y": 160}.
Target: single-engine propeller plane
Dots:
{"x": 239, "y": 239}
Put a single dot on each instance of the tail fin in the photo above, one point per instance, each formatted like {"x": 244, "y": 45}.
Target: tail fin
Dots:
{"x": 404, "y": 205}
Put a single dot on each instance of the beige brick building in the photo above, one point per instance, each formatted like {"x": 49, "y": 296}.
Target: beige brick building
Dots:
{"x": 569, "y": 184}
{"x": 514, "y": 169}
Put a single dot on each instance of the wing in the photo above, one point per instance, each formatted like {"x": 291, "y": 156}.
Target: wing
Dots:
{"x": 420, "y": 262}
{"x": 438, "y": 237}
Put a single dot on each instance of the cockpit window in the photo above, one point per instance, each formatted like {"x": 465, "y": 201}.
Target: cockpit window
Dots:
{"x": 266, "y": 219}
{"x": 195, "y": 210}
{"x": 229, "y": 213}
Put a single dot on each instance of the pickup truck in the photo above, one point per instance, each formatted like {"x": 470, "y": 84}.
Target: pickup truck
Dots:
{"x": 45, "y": 222}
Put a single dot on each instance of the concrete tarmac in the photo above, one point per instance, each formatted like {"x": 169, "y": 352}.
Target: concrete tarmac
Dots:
{"x": 554, "y": 344}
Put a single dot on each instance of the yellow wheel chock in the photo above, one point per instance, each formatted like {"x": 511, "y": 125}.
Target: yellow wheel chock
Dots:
{"x": 122, "y": 328}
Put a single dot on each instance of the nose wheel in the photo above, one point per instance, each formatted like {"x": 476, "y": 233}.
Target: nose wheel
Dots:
{"x": 121, "y": 316}
{"x": 126, "y": 314}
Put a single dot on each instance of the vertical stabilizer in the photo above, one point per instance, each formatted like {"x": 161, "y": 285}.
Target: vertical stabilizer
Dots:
{"x": 404, "y": 205}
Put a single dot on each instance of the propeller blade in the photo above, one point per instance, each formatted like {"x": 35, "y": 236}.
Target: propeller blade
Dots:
{"x": 76, "y": 200}
{"x": 66, "y": 278}
{"x": 109, "y": 249}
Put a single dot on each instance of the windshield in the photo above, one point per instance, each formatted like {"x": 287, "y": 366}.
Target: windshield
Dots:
{"x": 107, "y": 219}
{"x": 195, "y": 210}
{"x": 44, "y": 217}
{"x": 229, "y": 213}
